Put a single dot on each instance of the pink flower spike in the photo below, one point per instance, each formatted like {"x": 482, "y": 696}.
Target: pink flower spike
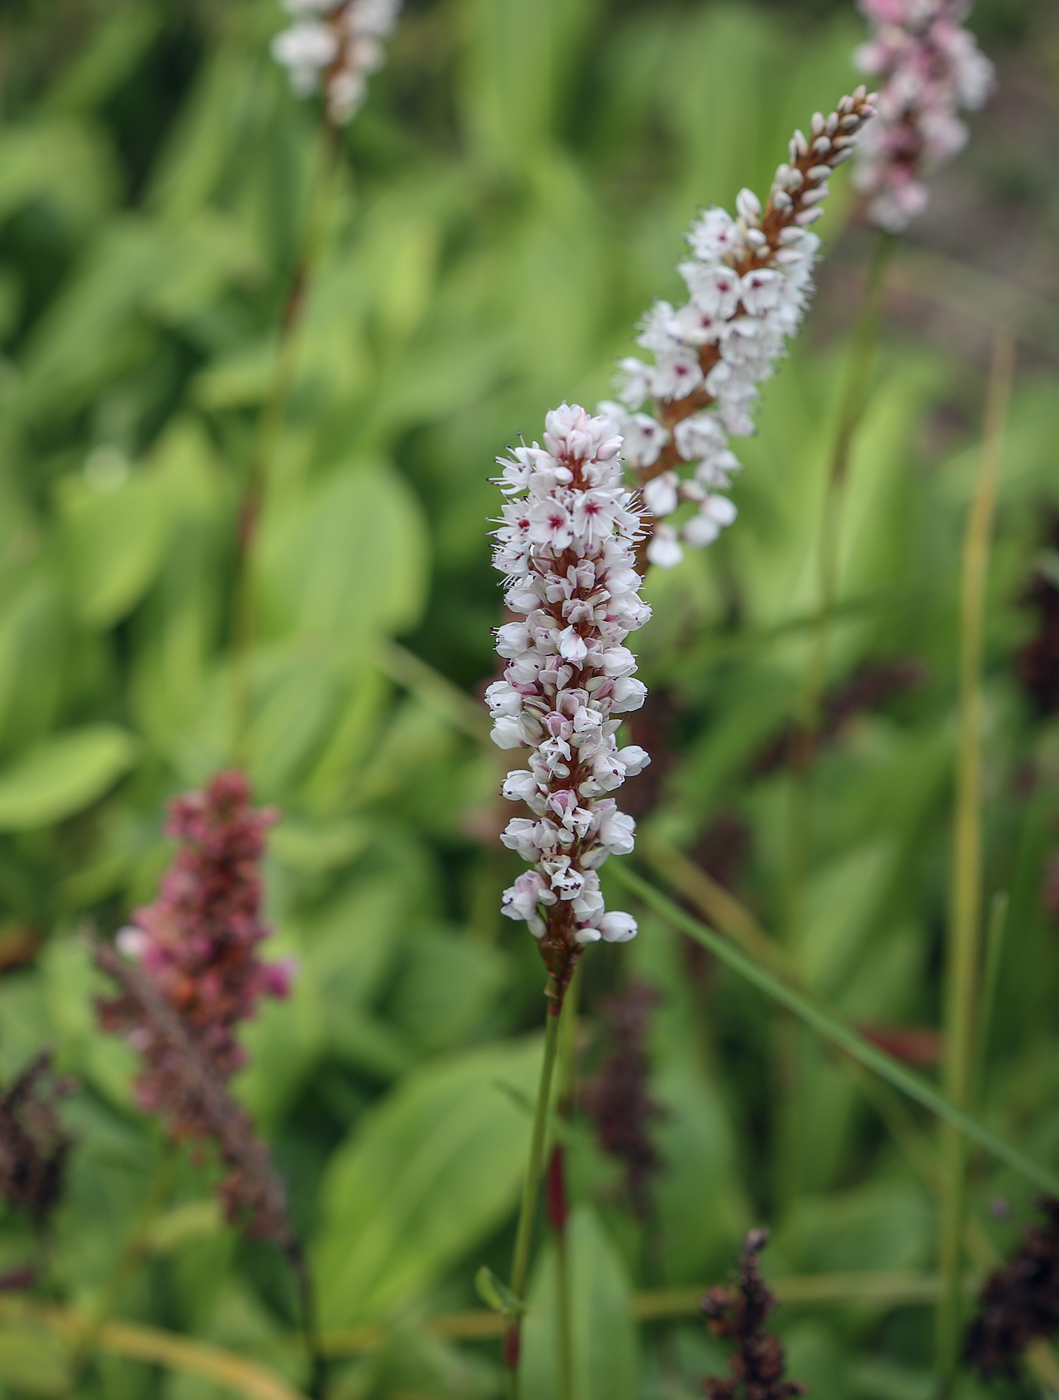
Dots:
{"x": 197, "y": 941}
{"x": 931, "y": 68}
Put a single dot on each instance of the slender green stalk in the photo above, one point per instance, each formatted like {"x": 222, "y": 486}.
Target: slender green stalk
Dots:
{"x": 269, "y": 426}
{"x": 563, "y": 1306}
{"x": 531, "y": 1187}
{"x": 564, "y": 1103}
{"x": 963, "y": 954}
{"x": 832, "y": 1028}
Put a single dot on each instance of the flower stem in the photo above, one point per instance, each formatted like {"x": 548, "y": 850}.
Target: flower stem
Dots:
{"x": 531, "y": 1187}
{"x": 564, "y": 1330}
{"x": 963, "y": 954}
{"x": 557, "y": 1194}
{"x": 269, "y": 426}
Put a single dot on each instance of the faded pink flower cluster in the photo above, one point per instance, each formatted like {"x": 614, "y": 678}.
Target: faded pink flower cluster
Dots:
{"x": 335, "y": 44}
{"x": 197, "y": 942}
{"x": 567, "y": 548}
{"x": 930, "y": 67}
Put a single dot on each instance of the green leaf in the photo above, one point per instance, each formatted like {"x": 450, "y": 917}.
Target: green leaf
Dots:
{"x": 117, "y": 523}
{"x": 603, "y": 1331}
{"x": 432, "y": 1170}
{"x": 33, "y": 1359}
{"x": 496, "y": 1294}
{"x": 63, "y": 775}
{"x": 352, "y": 561}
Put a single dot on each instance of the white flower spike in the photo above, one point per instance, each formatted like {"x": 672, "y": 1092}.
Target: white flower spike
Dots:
{"x": 567, "y": 548}
{"x": 749, "y": 280}
{"x": 336, "y": 45}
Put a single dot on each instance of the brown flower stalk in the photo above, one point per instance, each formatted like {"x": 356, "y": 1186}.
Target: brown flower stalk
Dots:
{"x": 1020, "y": 1301}
{"x": 194, "y": 1103}
{"x": 618, "y": 1099}
{"x": 758, "y": 1366}
{"x": 33, "y": 1145}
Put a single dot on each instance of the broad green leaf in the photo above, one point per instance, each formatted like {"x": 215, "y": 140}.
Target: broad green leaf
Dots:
{"x": 428, "y": 1174}
{"x": 63, "y": 162}
{"x": 63, "y": 775}
{"x": 351, "y": 562}
{"x": 841, "y": 904}
{"x": 103, "y": 1060}
{"x": 603, "y": 1331}
{"x": 114, "y": 51}
{"x": 694, "y": 1141}
{"x": 118, "y": 521}
{"x": 114, "y": 539}
{"x": 446, "y": 988}
{"x": 34, "y": 638}
{"x": 140, "y": 268}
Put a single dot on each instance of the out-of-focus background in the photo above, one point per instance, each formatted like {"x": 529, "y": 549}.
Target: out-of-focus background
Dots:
{"x": 507, "y": 203}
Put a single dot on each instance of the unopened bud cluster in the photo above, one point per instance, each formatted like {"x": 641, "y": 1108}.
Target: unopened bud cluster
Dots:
{"x": 930, "y": 67}
{"x": 335, "y": 45}
{"x": 567, "y": 548}
{"x": 749, "y": 280}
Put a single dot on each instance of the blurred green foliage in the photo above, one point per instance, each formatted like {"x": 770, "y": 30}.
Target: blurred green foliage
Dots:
{"x": 507, "y": 203}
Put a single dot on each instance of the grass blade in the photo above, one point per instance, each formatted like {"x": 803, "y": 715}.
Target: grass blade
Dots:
{"x": 827, "y": 1024}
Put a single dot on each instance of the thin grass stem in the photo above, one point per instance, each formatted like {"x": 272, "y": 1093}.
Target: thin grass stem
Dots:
{"x": 531, "y": 1187}
{"x": 963, "y": 954}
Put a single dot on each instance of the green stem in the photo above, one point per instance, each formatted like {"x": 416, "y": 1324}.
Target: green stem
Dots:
{"x": 269, "y": 427}
{"x": 563, "y": 1300}
{"x": 564, "y": 1103}
{"x": 832, "y": 1028}
{"x": 531, "y": 1187}
{"x": 963, "y": 954}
